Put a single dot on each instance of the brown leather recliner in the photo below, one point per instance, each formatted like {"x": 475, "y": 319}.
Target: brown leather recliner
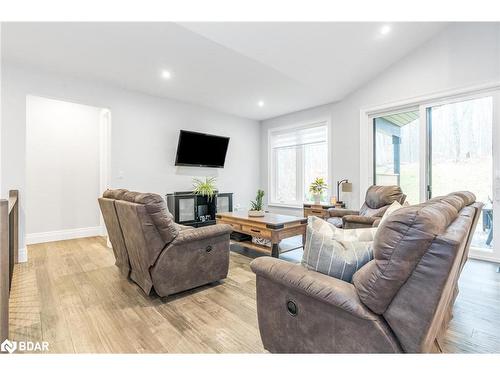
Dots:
{"x": 115, "y": 235}
{"x": 157, "y": 252}
{"x": 399, "y": 302}
{"x": 377, "y": 200}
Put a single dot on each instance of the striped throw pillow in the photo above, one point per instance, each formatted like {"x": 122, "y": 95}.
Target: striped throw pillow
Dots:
{"x": 336, "y": 252}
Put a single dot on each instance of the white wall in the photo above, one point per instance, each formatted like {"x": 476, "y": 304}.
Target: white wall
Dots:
{"x": 143, "y": 136}
{"x": 462, "y": 55}
{"x": 62, "y": 166}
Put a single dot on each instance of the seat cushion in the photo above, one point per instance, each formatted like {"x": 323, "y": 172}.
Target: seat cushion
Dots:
{"x": 336, "y": 252}
{"x": 336, "y": 221}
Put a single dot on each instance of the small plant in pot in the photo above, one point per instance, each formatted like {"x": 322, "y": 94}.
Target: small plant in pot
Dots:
{"x": 317, "y": 187}
{"x": 256, "y": 206}
{"x": 205, "y": 188}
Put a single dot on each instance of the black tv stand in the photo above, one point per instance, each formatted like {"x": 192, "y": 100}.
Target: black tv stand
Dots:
{"x": 198, "y": 210}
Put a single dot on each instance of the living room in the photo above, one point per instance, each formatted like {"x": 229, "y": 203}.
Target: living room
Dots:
{"x": 250, "y": 187}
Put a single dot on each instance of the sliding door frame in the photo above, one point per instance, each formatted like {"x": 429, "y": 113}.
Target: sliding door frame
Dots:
{"x": 367, "y": 116}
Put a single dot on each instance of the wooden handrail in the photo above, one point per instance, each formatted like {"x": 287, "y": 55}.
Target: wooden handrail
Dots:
{"x": 4, "y": 269}
{"x": 9, "y": 247}
{"x": 13, "y": 199}
{"x": 13, "y": 229}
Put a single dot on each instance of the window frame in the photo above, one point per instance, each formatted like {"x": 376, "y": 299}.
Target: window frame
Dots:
{"x": 272, "y": 170}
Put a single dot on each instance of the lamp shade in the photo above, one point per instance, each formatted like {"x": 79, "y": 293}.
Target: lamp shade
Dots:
{"x": 347, "y": 187}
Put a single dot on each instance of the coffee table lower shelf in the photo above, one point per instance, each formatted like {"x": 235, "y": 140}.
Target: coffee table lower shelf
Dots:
{"x": 283, "y": 246}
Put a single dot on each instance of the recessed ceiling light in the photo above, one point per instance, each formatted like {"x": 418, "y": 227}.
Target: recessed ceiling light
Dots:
{"x": 386, "y": 29}
{"x": 260, "y": 103}
{"x": 166, "y": 74}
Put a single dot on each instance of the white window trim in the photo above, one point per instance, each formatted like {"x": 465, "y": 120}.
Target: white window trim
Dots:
{"x": 271, "y": 159}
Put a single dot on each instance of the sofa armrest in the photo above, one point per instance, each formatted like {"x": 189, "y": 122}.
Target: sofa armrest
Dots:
{"x": 340, "y": 212}
{"x": 323, "y": 288}
{"x": 357, "y": 221}
{"x": 200, "y": 234}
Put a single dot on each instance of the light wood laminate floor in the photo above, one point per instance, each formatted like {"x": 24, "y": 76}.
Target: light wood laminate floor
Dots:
{"x": 71, "y": 295}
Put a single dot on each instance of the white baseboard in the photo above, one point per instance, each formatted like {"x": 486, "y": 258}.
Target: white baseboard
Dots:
{"x": 22, "y": 255}
{"x": 60, "y": 235}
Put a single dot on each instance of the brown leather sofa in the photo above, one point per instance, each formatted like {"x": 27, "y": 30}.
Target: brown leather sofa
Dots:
{"x": 399, "y": 302}
{"x": 158, "y": 253}
{"x": 377, "y": 200}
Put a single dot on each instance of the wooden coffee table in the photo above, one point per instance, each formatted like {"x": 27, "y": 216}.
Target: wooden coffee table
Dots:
{"x": 273, "y": 227}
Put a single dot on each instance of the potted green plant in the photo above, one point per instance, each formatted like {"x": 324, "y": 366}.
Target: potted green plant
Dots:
{"x": 205, "y": 187}
{"x": 317, "y": 187}
{"x": 256, "y": 206}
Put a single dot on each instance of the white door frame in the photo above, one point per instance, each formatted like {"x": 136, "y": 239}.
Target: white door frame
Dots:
{"x": 104, "y": 158}
{"x": 423, "y": 102}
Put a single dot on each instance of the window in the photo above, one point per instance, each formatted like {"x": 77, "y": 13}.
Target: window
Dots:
{"x": 298, "y": 156}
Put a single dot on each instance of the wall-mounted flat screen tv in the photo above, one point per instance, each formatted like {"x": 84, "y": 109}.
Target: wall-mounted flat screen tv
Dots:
{"x": 201, "y": 150}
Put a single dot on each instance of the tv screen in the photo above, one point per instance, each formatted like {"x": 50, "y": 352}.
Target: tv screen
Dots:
{"x": 201, "y": 150}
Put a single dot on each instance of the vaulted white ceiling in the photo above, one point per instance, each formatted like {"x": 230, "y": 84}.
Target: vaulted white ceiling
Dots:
{"x": 226, "y": 66}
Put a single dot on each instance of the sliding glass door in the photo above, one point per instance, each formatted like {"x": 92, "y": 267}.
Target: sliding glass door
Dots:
{"x": 461, "y": 157}
{"x": 438, "y": 147}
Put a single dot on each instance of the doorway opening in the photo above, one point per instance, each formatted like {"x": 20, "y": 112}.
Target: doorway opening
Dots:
{"x": 67, "y": 167}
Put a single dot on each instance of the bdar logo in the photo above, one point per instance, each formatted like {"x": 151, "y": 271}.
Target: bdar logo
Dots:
{"x": 8, "y": 346}
{"x": 24, "y": 346}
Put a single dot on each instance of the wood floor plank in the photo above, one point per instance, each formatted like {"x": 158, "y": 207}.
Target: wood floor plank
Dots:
{"x": 71, "y": 294}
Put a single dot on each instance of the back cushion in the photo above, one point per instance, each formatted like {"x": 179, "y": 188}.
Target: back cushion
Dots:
{"x": 380, "y": 196}
{"x": 468, "y": 197}
{"x": 399, "y": 244}
{"x": 114, "y": 193}
{"x": 157, "y": 209}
